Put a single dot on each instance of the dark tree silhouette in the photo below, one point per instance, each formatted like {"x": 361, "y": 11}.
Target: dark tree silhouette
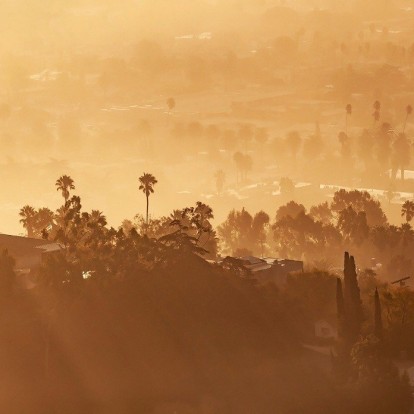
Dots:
{"x": 353, "y": 226}
{"x": 360, "y": 201}
{"x": 377, "y": 111}
{"x": 345, "y": 145}
{"x": 44, "y": 221}
{"x": 147, "y": 182}
{"x": 322, "y": 213}
{"x": 244, "y": 164}
{"x": 170, "y": 104}
{"x": 65, "y": 184}
{"x": 407, "y": 210}
{"x": 28, "y": 219}
{"x": 401, "y": 155}
{"x": 340, "y": 310}
{"x": 291, "y": 209}
{"x": 352, "y": 301}
{"x": 408, "y": 111}
{"x": 243, "y": 232}
{"x": 348, "y": 113}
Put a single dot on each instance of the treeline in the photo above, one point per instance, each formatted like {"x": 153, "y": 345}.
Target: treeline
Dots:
{"x": 352, "y": 221}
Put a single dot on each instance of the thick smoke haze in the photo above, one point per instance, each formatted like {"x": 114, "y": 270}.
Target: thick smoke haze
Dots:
{"x": 84, "y": 81}
{"x": 206, "y": 206}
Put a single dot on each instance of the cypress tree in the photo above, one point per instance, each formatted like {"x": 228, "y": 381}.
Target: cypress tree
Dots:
{"x": 378, "y": 316}
{"x": 340, "y": 306}
{"x": 352, "y": 301}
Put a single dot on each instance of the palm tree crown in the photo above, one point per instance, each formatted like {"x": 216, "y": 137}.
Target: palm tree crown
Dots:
{"x": 28, "y": 215}
{"x": 408, "y": 110}
{"x": 147, "y": 182}
{"x": 377, "y": 111}
{"x": 408, "y": 210}
{"x": 64, "y": 184}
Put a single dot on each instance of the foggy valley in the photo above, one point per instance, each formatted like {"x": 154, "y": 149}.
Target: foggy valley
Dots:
{"x": 207, "y": 206}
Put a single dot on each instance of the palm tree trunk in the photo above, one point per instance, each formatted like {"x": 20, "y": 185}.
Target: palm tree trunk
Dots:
{"x": 147, "y": 208}
{"x": 405, "y": 123}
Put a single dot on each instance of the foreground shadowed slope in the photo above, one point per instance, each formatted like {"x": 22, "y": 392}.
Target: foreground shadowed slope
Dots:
{"x": 186, "y": 334}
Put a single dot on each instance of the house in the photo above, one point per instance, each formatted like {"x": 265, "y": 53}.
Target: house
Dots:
{"x": 271, "y": 270}
{"x": 28, "y": 254}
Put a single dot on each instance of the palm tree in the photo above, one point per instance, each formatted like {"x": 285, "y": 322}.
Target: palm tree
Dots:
{"x": 94, "y": 220}
{"x": 390, "y": 194}
{"x": 28, "y": 217}
{"x": 44, "y": 221}
{"x": 170, "y": 104}
{"x": 401, "y": 154}
{"x": 409, "y": 111}
{"x": 348, "y": 110}
{"x": 377, "y": 111}
{"x": 345, "y": 145}
{"x": 64, "y": 184}
{"x": 97, "y": 218}
{"x": 408, "y": 210}
{"x": 147, "y": 182}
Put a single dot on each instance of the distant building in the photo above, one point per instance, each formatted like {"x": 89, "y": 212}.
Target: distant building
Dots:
{"x": 29, "y": 254}
{"x": 271, "y": 270}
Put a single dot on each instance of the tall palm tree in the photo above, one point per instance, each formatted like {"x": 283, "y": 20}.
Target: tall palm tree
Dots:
{"x": 408, "y": 210}
{"x": 345, "y": 145}
{"x": 170, "y": 104}
{"x": 377, "y": 111}
{"x": 401, "y": 153}
{"x": 147, "y": 182}
{"x": 409, "y": 110}
{"x": 28, "y": 218}
{"x": 348, "y": 113}
{"x": 64, "y": 184}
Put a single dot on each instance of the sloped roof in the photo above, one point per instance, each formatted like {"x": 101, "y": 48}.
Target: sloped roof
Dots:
{"x": 18, "y": 246}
